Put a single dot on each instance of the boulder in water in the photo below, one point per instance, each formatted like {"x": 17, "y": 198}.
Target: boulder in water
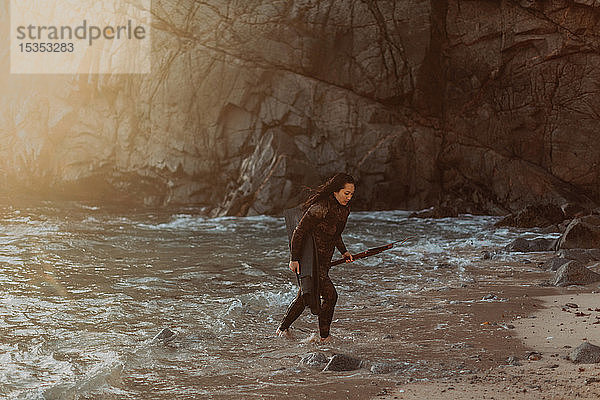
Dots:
{"x": 164, "y": 336}
{"x": 342, "y": 362}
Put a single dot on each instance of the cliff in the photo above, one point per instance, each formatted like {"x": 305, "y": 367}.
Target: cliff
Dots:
{"x": 488, "y": 105}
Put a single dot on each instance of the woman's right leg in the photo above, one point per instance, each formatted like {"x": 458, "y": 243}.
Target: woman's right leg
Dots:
{"x": 293, "y": 312}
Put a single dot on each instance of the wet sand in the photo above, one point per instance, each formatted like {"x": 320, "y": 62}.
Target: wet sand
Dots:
{"x": 545, "y": 332}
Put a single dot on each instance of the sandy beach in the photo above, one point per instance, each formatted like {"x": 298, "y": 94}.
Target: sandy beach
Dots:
{"x": 549, "y": 331}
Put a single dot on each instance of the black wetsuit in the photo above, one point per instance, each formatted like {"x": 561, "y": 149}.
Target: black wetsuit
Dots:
{"x": 326, "y": 220}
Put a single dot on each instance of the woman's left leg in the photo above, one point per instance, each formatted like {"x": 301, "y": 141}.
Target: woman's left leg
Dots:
{"x": 329, "y": 296}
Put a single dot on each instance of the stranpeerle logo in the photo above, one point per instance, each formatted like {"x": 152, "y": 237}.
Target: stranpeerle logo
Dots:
{"x": 82, "y": 32}
{"x": 80, "y": 36}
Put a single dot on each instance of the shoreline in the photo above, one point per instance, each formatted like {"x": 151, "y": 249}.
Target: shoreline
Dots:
{"x": 530, "y": 362}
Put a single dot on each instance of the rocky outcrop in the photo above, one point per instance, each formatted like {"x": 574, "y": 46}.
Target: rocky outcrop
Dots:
{"x": 485, "y": 105}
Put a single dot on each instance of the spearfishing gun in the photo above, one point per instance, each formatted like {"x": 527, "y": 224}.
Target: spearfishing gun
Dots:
{"x": 370, "y": 252}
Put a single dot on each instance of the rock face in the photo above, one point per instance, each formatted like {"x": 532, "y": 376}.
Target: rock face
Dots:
{"x": 574, "y": 273}
{"x": 484, "y": 104}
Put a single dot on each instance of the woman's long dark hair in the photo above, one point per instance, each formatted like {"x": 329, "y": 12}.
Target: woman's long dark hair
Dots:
{"x": 333, "y": 184}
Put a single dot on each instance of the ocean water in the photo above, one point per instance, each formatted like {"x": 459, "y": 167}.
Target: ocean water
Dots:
{"x": 85, "y": 288}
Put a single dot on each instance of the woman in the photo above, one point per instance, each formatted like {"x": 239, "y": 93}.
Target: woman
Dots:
{"x": 325, "y": 217}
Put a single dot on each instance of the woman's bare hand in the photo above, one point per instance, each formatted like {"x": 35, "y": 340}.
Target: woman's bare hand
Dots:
{"x": 295, "y": 266}
{"x": 348, "y": 257}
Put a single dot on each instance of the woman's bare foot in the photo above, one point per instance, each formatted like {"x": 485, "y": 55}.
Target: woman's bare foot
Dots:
{"x": 317, "y": 339}
{"x": 325, "y": 340}
{"x": 285, "y": 333}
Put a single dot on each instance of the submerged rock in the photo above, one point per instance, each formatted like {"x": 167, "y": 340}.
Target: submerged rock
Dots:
{"x": 164, "y": 336}
{"x": 342, "y": 362}
{"x": 585, "y": 353}
{"x": 574, "y": 273}
{"x": 314, "y": 360}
